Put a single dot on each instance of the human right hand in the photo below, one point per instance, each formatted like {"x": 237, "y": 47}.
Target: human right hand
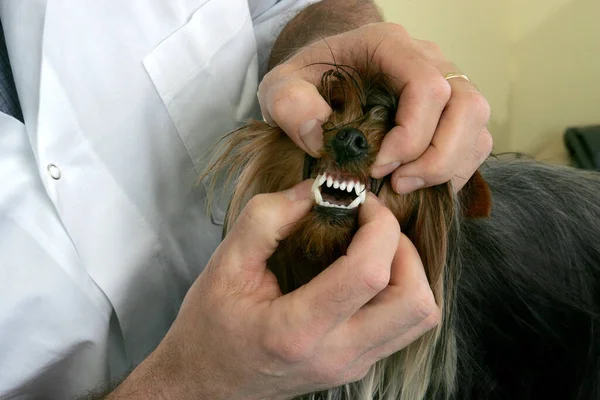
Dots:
{"x": 237, "y": 337}
{"x": 440, "y": 133}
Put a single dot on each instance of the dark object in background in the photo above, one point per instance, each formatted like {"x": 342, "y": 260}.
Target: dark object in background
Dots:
{"x": 9, "y": 100}
{"x": 583, "y": 144}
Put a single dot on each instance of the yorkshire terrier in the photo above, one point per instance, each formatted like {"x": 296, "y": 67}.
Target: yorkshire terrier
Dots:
{"x": 513, "y": 259}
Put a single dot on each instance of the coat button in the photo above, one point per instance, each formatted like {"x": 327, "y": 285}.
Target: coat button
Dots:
{"x": 54, "y": 171}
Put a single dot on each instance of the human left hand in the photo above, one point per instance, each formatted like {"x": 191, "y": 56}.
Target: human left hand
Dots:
{"x": 440, "y": 131}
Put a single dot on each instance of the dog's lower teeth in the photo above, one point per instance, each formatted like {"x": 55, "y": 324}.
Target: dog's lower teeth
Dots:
{"x": 354, "y": 203}
{"x": 318, "y": 196}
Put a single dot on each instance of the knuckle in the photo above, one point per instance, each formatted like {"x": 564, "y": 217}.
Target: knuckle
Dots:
{"x": 285, "y": 97}
{"x": 336, "y": 373}
{"x": 432, "y": 320}
{"x": 376, "y": 276}
{"x": 257, "y": 205}
{"x": 424, "y": 307}
{"x": 439, "y": 170}
{"x": 358, "y": 374}
{"x": 260, "y": 210}
{"x": 395, "y": 29}
{"x": 440, "y": 88}
{"x": 289, "y": 349}
{"x": 479, "y": 106}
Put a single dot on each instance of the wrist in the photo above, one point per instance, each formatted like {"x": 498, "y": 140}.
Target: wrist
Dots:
{"x": 167, "y": 374}
{"x": 152, "y": 379}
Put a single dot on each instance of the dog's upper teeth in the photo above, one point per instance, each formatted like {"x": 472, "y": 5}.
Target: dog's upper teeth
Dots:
{"x": 358, "y": 187}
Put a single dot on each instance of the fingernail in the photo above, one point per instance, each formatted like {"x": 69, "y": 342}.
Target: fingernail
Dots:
{"x": 384, "y": 170}
{"x": 407, "y": 184}
{"x": 301, "y": 191}
{"x": 311, "y": 135}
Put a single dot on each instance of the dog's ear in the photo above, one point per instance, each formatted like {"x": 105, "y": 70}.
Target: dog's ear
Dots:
{"x": 476, "y": 197}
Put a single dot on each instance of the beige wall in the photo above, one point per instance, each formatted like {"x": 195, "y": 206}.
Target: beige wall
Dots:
{"x": 537, "y": 61}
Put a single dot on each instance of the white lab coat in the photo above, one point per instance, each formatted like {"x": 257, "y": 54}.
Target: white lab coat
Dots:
{"x": 102, "y": 229}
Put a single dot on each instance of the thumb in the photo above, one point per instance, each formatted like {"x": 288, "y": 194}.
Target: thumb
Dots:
{"x": 266, "y": 220}
{"x": 296, "y": 106}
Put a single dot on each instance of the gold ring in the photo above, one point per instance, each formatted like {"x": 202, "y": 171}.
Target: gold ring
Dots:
{"x": 456, "y": 75}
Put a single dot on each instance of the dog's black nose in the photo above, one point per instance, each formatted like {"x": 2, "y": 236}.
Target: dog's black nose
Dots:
{"x": 349, "y": 144}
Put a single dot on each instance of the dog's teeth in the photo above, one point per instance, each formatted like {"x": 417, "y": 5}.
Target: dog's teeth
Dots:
{"x": 329, "y": 181}
{"x": 336, "y": 184}
{"x": 343, "y": 186}
{"x": 350, "y": 187}
{"x": 315, "y": 186}
{"x": 362, "y": 197}
{"x": 357, "y": 188}
{"x": 362, "y": 187}
{"x": 354, "y": 203}
{"x": 322, "y": 179}
{"x": 318, "y": 197}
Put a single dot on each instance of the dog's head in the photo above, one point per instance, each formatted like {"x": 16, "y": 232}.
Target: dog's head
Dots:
{"x": 364, "y": 103}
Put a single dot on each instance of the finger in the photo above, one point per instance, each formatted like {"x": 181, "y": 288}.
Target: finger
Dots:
{"x": 402, "y": 305}
{"x": 403, "y": 311}
{"x": 351, "y": 281}
{"x": 459, "y": 127}
{"x": 295, "y": 105}
{"x": 402, "y": 341}
{"x": 478, "y": 154}
{"x": 422, "y": 101}
{"x": 263, "y": 223}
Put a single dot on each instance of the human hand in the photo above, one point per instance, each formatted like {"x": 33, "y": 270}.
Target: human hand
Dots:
{"x": 441, "y": 132}
{"x": 237, "y": 337}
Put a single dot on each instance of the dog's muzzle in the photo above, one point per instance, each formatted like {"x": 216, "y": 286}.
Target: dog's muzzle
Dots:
{"x": 344, "y": 186}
